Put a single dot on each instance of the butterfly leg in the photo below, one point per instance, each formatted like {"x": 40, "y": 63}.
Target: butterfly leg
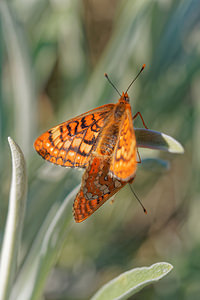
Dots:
{"x": 135, "y": 116}
{"x": 139, "y": 161}
{"x": 139, "y": 113}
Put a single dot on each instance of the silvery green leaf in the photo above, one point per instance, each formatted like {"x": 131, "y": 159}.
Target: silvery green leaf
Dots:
{"x": 130, "y": 282}
{"x": 152, "y": 139}
{"x": 155, "y": 165}
{"x": 16, "y": 209}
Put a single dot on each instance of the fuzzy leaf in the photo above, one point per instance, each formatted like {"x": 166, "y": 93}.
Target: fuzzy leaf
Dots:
{"x": 156, "y": 140}
{"x": 12, "y": 235}
{"x": 155, "y": 165}
{"x": 44, "y": 250}
{"x": 130, "y": 282}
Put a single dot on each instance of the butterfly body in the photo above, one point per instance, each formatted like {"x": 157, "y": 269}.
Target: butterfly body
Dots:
{"x": 102, "y": 141}
{"x": 110, "y": 133}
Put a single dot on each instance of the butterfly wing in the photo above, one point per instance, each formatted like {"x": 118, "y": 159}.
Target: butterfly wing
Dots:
{"x": 96, "y": 188}
{"x": 71, "y": 143}
{"x": 123, "y": 164}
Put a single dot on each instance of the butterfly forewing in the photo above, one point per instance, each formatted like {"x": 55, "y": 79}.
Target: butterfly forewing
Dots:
{"x": 71, "y": 143}
{"x": 123, "y": 164}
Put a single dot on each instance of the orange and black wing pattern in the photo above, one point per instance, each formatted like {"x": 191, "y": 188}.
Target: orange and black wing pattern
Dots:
{"x": 96, "y": 188}
{"x": 124, "y": 160}
{"x": 71, "y": 143}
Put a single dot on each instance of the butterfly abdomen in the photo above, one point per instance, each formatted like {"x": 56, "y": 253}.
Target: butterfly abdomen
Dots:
{"x": 108, "y": 140}
{"x": 109, "y": 135}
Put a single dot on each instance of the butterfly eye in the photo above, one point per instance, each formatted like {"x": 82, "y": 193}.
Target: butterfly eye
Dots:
{"x": 126, "y": 98}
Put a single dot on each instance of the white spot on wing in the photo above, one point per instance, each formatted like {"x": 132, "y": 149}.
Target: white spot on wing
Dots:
{"x": 117, "y": 184}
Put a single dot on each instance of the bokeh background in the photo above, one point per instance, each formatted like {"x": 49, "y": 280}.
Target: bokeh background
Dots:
{"x": 53, "y": 55}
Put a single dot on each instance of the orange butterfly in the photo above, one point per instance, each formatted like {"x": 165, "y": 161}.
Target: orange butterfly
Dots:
{"x": 103, "y": 142}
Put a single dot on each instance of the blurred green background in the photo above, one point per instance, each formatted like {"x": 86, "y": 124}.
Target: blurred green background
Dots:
{"x": 53, "y": 55}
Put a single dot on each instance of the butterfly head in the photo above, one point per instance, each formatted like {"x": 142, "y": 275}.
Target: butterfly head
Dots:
{"x": 124, "y": 98}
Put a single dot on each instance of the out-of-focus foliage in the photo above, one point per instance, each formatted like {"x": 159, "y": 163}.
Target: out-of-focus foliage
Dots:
{"x": 53, "y": 55}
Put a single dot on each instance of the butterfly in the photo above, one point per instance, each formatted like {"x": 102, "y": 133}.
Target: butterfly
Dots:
{"x": 102, "y": 141}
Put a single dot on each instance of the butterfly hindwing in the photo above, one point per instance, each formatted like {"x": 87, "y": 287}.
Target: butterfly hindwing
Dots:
{"x": 96, "y": 188}
{"x": 71, "y": 143}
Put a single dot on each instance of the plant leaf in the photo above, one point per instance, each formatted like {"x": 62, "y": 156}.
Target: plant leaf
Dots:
{"x": 155, "y": 165}
{"x": 156, "y": 140}
{"x": 44, "y": 251}
{"x": 130, "y": 282}
{"x": 12, "y": 235}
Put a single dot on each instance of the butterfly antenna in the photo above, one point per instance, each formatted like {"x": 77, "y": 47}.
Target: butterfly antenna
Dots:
{"x": 106, "y": 75}
{"x": 135, "y": 78}
{"x": 144, "y": 209}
